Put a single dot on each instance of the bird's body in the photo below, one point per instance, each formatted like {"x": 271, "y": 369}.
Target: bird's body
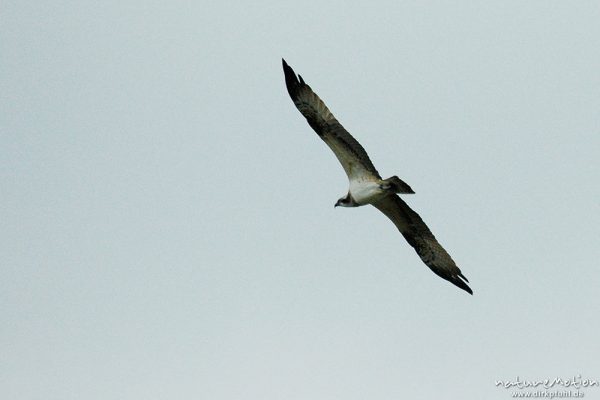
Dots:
{"x": 366, "y": 191}
{"x": 366, "y": 185}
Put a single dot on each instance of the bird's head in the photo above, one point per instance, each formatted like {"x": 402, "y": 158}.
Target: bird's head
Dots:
{"x": 345, "y": 202}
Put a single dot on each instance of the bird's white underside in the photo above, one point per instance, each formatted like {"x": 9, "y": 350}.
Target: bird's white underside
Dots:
{"x": 366, "y": 191}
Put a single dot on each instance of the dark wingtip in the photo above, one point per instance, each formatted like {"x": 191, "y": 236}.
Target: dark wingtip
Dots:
{"x": 291, "y": 81}
{"x": 455, "y": 280}
{"x": 462, "y": 285}
{"x": 469, "y": 290}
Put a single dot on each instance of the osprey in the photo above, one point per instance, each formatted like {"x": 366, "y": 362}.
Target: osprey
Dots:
{"x": 366, "y": 185}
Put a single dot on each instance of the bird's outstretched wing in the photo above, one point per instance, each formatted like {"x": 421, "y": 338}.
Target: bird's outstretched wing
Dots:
{"x": 418, "y": 235}
{"x": 348, "y": 151}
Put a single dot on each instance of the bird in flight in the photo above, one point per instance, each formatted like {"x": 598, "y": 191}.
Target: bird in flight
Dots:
{"x": 366, "y": 185}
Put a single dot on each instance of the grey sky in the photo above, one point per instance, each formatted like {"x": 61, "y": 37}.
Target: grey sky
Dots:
{"x": 168, "y": 228}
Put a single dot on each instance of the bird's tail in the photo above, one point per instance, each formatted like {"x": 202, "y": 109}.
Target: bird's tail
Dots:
{"x": 396, "y": 185}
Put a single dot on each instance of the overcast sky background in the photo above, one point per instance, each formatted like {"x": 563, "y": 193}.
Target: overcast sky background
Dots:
{"x": 168, "y": 228}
